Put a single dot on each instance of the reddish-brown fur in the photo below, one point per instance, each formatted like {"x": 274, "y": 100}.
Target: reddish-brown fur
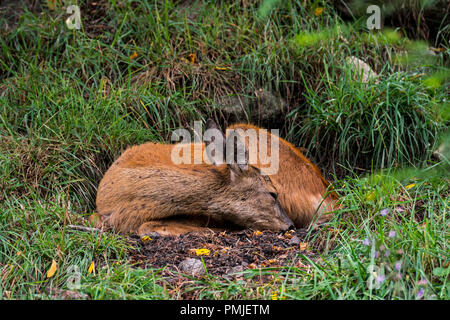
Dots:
{"x": 143, "y": 191}
{"x": 302, "y": 190}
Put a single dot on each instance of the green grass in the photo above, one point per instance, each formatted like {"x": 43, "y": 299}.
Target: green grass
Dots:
{"x": 72, "y": 100}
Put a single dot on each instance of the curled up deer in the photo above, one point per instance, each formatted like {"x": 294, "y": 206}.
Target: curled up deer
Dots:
{"x": 145, "y": 190}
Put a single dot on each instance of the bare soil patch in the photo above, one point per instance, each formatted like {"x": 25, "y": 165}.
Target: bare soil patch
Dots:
{"x": 226, "y": 252}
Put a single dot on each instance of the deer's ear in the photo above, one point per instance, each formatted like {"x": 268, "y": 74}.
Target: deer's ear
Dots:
{"x": 215, "y": 143}
{"x": 237, "y": 153}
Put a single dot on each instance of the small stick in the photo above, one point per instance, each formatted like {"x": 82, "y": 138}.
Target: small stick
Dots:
{"x": 82, "y": 228}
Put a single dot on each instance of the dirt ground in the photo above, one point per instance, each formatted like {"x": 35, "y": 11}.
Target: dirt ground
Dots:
{"x": 226, "y": 253}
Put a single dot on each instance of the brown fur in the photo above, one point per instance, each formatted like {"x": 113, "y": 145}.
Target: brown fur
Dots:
{"x": 143, "y": 191}
{"x": 302, "y": 190}
{"x": 143, "y": 185}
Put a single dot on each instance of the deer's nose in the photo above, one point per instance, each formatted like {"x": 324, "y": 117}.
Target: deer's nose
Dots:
{"x": 285, "y": 218}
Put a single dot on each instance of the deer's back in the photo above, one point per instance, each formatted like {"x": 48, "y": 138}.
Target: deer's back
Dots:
{"x": 144, "y": 183}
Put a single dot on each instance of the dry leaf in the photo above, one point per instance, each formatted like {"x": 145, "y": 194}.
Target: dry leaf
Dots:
{"x": 192, "y": 57}
{"x": 225, "y": 249}
{"x": 289, "y": 234}
{"x": 51, "y": 4}
{"x": 318, "y": 11}
{"x": 200, "y": 252}
{"x": 52, "y": 269}
{"x": 332, "y": 230}
{"x": 91, "y": 267}
{"x": 303, "y": 246}
{"x": 134, "y": 55}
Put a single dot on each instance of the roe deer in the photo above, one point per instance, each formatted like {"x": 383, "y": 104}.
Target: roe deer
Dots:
{"x": 144, "y": 191}
{"x": 302, "y": 190}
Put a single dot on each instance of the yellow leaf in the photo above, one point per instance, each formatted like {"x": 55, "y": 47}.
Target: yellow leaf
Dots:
{"x": 289, "y": 234}
{"x": 134, "y": 55}
{"x": 202, "y": 252}
{"x": 318, "y": 11}
{"x": 275, "y": 296}
{"x": 91, "y": 267}
{"x": 146, "y": 238}
{"x": 52, "y": 269}
{"x": 409, "y": 186}
{"x": 257, "y": 233}
{"x": 192, "y": 57}
{"x": 223, "y": 68}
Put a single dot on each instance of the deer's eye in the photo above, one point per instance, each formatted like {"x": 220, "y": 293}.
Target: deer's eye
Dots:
{"x": 274, "y": 195}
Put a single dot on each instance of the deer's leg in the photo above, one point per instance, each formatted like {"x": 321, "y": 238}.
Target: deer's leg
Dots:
{"x": 177, "y": 226}
{"x": 167, "y": 228}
